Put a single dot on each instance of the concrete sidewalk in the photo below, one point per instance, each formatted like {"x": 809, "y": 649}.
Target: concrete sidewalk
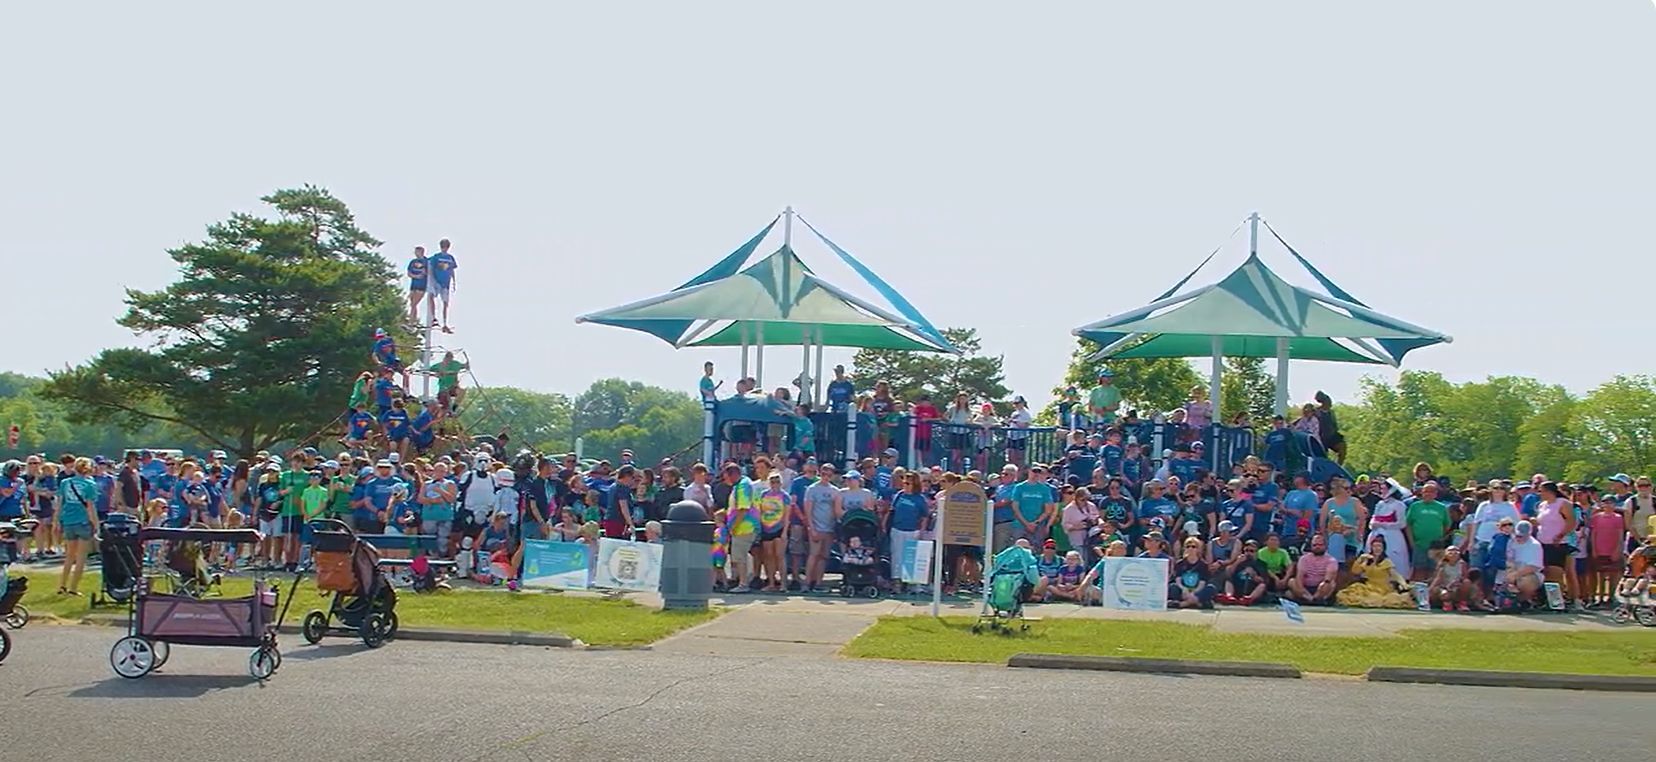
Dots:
{"x": 774, "y": 625}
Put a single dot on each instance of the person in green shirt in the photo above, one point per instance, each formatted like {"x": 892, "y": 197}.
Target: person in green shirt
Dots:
{"x": 359, "y": 391}
{"x": 448, "y": 382}
{"x": 315, "y": 497}
{"x": 1104, "y": 401}
{"x": 1425, "y": 525}
{"x": 340, "y": 486}
{"x": 1278, "y": 565}
{"x": 291, "y": 486}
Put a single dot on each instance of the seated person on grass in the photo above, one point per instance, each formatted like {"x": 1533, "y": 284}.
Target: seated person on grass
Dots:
{"x": 1066, "y": 585}
{"x": 1247, "y": 583}
{"x": 1316, "y": 576}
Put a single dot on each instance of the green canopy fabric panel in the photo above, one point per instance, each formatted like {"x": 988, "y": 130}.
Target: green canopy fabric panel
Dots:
{"x": 784, "y": 334}
{"x": 1187, "y": 345}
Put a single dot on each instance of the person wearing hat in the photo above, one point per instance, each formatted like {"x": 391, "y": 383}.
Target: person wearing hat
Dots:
{"x": 1248, "y": 580}
{"x": 1033, "y": 505}
{"x": 822, "y": 506}
{"x": 1104, "y": 399}
{"x": 1640, "y": 510}
{"x": 1188, "y": 586}
{"x": 385, "y": 356}
{"x": 1486, "y": 520}
{"x": 1155, "y": 545}
{"x": 1524, "y": 562}
{"x": 1223, "y": 552}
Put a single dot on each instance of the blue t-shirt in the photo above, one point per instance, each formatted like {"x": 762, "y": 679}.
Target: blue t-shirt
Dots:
{"x": 442, "y": 268}
{"x": 11, "y": 506}
{"x": 1303, "y": 501}
{"x": 1112, "y": 456}
{"x": 1237, "y": 511}
{"x": 1031, "y": 498}
{"x": 1184, "y": 468}
{"x": 379, "y": 491}
{"x": 1530, "y": 506}
{"x": 78, "y": 498}
{"x": 707, "y": 387}
{"x": 396, "y": 423}
{"x": 383, "y": 389}
{"x": 106, "y": 492}
{"x": 907, "y": 510}
{"x": 420, "y": 429}
{"x": 361, "y": 421}
{"x": 1003, "y": 513}
{"x": 1276, "y": 447}
{"x": 417, "y": 271}
{"x": 385, "y": 350}
{"x": 1265, "y": 493}
{"x": 882, "y": 483}
{"x": 797, "y": 489}
{"x": 618, "y": 495}
{"x": 1158, "y": 507}
{"x": 1115, "y": 509}
{"x": 1132, "y": 469}
{"x": 839, "y": 394}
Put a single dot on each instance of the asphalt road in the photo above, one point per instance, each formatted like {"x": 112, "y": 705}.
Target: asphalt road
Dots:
{"x": 430, "y": 701}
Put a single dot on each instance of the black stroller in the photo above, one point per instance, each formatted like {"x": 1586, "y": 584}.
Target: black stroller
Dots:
{"x": 364, "y": 603}
{"x": 859, "y": 565}
{"x": 12, "y": 613}
{"x": 121, "y": 556}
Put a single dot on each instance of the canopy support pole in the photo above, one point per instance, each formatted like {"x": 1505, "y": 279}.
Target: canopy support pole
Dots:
{"x": 759, "y": 356}
{"x": 816, "y": 397}
{"x": 743, "y": 331}
{"x": 1282, "y": 376}
{"x": 1213, "y": 393}
{"x": 805, "y": 367}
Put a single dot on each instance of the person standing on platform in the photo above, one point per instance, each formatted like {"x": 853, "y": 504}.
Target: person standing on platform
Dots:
{"x": 442, "y": 282}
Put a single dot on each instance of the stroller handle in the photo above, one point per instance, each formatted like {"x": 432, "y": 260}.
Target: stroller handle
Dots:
{"x": 329, "y": 525}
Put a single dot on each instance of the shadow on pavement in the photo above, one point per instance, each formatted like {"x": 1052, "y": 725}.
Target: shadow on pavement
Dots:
{"x": 162, "y": 685}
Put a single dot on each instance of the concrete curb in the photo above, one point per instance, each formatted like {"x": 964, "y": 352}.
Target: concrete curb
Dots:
{"x": 1153, "y": 666}
{"x": 547, "y": 640}
{"x": 1559, "y": 681}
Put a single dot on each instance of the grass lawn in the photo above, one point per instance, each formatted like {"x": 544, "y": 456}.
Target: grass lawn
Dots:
{"x": 594, "y": 621}
{"x": 1631, "y": 652}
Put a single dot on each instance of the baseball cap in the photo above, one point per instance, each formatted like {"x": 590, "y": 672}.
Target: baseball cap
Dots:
{"x": 626, "y": 453}
{"x": 853, "y": 476}
{"x": 383, "y": 464}
{"x": 395, "y": 457}
{"x": 1157, "y": 536}
{"x": 145, "y": 454}
{"x": 890, "y": 452}
{"x": 330, "y": 464}
{"x": 1050, "y": 543}
{"x": 1227, "y": 526}
{"x": 1198, "y": 445}
{"x": 1106, "y": 373}
{"x": 1623, "y": 478}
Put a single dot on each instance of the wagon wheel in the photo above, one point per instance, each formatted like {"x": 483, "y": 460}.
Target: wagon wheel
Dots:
{"x": 162, "y": 652}
{"x": 132, "y": 657}
{"x": 5, "y": 645}
{"x": 1645, "y": 615}
{"x": 391, "y": 626}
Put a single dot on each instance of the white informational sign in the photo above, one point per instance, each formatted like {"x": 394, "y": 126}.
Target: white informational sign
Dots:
{"x": 625, "y": 565}
{"x": 915, "y": 568}
{"x": 1135, "y": 584}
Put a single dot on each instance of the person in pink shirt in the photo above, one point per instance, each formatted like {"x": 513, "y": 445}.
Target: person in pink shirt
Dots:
{"x": 1606, "y": 533}
{"x": 1316, "y": 575}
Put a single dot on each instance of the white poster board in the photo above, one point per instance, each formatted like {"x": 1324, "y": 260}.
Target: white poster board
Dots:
{"x": 625, "y": 565}
{"x": 915, "y": 567}
{"x": 556, "y": 565}
{"x": 1135, "y": 584}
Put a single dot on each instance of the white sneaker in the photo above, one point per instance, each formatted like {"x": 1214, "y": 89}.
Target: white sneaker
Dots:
{"x": 739, "y": 589}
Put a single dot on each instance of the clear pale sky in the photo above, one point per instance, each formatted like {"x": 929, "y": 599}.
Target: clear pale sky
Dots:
{"x": 1481, "y": 168}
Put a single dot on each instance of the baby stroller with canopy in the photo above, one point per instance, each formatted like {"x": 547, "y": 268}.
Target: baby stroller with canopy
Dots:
{"x": 121, "y": 556}
{"x": 859, "y": 534}
{"x": 12, "y": 613}
{"x": 364, "y": 603}
{"x": 1013, "y": 574}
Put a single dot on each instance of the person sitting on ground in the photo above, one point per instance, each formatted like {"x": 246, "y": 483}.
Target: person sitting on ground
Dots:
{"x": 1247, "y": 582}
{"x": 1155, "y": 545}
{"x": 1377, "y": 585}
{"x": 1049, "y": 562}
{"x": 1316, "y": 576}
{"x": 1524, "y": 562}
{"x": 1451, "y": 585}
{"x": 1278, "y": 565}
{"x": 1223, "y": 553}
{"x": 1066, "y": 584}
{"x": 1189, "y": 587}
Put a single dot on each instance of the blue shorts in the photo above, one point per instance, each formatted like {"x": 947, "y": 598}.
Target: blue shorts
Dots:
{"x": 417, "y": 286}
{"x": 77, "y": 532}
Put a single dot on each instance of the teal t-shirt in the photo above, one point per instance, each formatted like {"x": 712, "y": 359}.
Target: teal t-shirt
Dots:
{"x": 76, "y": 497}
{"x": 1031, "y": 499}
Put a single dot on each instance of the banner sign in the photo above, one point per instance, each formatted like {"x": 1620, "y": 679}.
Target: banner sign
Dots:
{"x": 626, "y": 565}
{"x": 964, "y": 508}
{"x": 915, "y": 567}
{"x": 560, "y": 565}
{"x": 1135, "y": 584}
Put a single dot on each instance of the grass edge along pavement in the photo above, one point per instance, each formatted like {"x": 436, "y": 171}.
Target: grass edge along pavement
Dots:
{"x": 1631, "y": 652}
{"x": 595, "y": 621}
